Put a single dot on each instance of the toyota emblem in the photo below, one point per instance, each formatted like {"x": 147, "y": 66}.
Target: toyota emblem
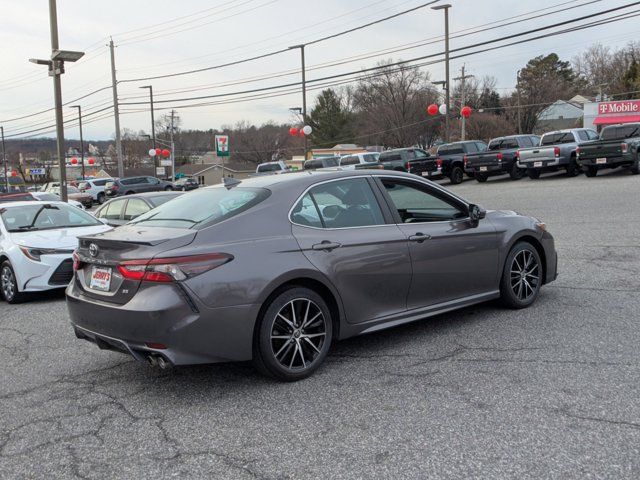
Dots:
{"x": 93, "y": 250}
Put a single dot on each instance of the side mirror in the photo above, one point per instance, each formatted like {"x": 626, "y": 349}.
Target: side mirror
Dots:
{"x": 476, "y": 214}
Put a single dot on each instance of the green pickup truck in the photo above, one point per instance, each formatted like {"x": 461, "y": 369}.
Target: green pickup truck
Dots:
{"x": 619, "y": 146}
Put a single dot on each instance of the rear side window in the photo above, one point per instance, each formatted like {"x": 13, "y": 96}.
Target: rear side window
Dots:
{"x": 340, "y": 204}
{"x": 135, "y": 208}
{"x": 204, "y": 207}
{"x": 582, "y": 135}
{"x": 495, "y": 144}
{"x": 112, "y": 210}
{"x": 100, "y": 183}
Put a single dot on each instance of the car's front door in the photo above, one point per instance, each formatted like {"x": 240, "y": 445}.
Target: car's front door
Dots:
{"x": 452, "y": 258}
{"x": 344, "y": 233}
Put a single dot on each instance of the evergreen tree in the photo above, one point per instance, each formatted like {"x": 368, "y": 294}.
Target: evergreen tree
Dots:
{"x": 330, "y": 120}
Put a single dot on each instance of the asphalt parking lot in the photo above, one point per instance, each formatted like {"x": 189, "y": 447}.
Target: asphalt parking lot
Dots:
{"x": 548, "y": 392}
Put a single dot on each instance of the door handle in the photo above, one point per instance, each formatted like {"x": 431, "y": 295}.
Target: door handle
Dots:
{"x": 419, "y": 237}
{"x": 326, "y": 246}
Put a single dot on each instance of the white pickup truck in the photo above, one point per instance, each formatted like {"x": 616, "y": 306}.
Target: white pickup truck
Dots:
{"x": 272, "y": 168}
{"x": 556, "y": 150}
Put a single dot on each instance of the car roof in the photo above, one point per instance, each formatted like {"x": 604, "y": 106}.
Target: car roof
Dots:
{"x": 28, "y": 203}
{"x": 161, "y": 193}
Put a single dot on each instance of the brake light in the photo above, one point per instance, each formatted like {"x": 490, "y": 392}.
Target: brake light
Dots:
{"x": 407, "y": 166}
{"x": 499, "y": 157}
{"x": 556, "y": 151}
{"x": 577, "y": 151}
{"x": 517, "y": 153}
{"x": 438, "y": 162}
{"x": 77, "y": 263}
{"x": 624, "y": 147}
{"x": 465, "y": 159}
{"x": 163, "y": 270}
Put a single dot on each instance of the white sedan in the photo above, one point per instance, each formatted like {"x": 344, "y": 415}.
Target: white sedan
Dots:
{"x": 37, "y": 240}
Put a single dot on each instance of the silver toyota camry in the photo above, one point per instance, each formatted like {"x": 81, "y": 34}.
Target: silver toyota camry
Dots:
{"x": 274, "y": 269}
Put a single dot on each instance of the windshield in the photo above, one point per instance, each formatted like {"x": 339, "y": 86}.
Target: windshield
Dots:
{"x": 45, "y": 217}
{"x": 158, "y": 200}
{"x": 203, "y": 207}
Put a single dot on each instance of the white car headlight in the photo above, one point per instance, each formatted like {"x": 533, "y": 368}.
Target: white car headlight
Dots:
{"x": 35, "y": 253}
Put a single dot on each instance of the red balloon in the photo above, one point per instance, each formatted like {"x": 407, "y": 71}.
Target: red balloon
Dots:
{"x": 466, "y": 111}
{"x": 14, "y": 173}
{"x": 432, "y": 109}
{"x": 293, "y": 131}
{"x": 74, "y": 161}
{"x": 158, "y": 152}
{"x": 91, "y": 161}
{"x": 166, "y": 153}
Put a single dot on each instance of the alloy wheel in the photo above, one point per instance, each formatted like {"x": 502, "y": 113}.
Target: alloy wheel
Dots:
{"x": 525, "y": 275}
{"x": 7, "y": 283}
{"x": 298, "y": 333}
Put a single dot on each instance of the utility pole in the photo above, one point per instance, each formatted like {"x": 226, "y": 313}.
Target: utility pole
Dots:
{"x": 462, "y": 79}
{"x": 116, "y": 111}
{"x": 304, "y": 95}
{"x": 57, "y": 67}
{"x": 519, "y": 107}
{"x": 173, "y": 156}
{"x": 447, "y": 100}
{"x": 153, "y": 125}
{"x": 4, "y": 160}
{"x": 81, "y": 140}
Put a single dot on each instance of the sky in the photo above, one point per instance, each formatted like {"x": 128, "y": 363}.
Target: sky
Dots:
{"x": 162, "y": 37}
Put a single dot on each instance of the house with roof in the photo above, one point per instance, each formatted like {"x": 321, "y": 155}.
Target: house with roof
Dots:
{"x": 561, "y": 114}
{"x": 211, "y": 173}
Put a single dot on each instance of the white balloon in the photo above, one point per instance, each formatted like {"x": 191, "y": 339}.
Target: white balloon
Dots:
{"x": 307, "y": 130}
{"x": 152, "y": 152}
{"x": 443, "y": 109}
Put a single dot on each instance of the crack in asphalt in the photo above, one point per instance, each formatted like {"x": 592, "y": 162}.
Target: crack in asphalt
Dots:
{"x": 622, "y": 423}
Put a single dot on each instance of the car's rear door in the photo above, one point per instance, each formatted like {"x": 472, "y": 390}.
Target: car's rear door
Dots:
{"x": 451, "y": 257}
{"x": 346, "y": 234}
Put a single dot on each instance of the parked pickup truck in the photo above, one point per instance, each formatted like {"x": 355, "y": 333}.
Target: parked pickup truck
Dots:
{"x": 450, "y": 158}
{"x": 557, "y": 150}
{"x": 499, "y": 158}
{"x": 272, "y": 168}
{"x": 619, "y": 146}
{"x": 412, "y": 160}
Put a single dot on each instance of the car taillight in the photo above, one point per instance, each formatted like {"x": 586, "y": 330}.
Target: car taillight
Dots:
{"x": 465, "y": 159}
{"x": 77, "y": 263}
{"x": 577, "y": 151}
{"x": 624, "y": 147}
{"x": 438, "y": 162}
{"x": 517, "y": 153}
{"x": 407, "y": 166}
{"x": 556, "y": 151}
{"x": 171, "y": 269}
{"x": 499, "y": 157}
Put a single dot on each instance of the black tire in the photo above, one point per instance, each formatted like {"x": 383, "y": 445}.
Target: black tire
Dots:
{"x": 457, "y": 175}
{"x": 168, "y": 189}
{"x": 101, "y": 198}
{"x": 9, "y": 285}
{"x": 481, "y": 177}
{"x": 516, "y": 173}
{"x": 130, "y": 193}
{"x": 89, "y": 205}
{"x": 272, "y": 353}
{"x": 573, "y": 170}
{"x": 635, "y": 166}
{"x": 533, "y": 174}
{"x": 521, "y": 276}
{"x": 591, "y": 172}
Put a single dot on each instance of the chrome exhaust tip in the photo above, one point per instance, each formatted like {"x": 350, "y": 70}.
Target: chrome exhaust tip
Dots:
{"x": 153, "y": 361}
{"x": 162, "y": 363}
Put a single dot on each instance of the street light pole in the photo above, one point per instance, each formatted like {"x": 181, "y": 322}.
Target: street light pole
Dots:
{"x": 81, "y": 140}
{"x": 56, "y": 69}
{"x": 447, "y": 100}
{"x": 4, "y": 160}
{"x": 304, "y": 95}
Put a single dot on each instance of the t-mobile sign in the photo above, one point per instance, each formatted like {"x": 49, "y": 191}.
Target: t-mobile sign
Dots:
{"x": 626, "y": 106}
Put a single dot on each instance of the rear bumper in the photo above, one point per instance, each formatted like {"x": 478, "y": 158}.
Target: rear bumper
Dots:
{"x": 494, "y": 168}
{"x": 610, "y": 162}
{"x": 162, "y": 314}
{"x": 540, "y": 163}
{"x": 437, "y": 173}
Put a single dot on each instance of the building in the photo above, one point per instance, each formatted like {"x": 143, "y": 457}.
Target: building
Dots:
{"x": 211, "y": 174}
{"x": 597, "y": 114}
{"x": 340, "y": 149}
{"x": 561, "y": 114}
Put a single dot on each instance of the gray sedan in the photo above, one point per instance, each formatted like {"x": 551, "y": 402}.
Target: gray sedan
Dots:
{"x": 274, "y": 269}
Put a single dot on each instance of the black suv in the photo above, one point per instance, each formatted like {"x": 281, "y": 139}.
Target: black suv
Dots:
{"x": 185, "y": 184}
{"x": 130, "y": 185}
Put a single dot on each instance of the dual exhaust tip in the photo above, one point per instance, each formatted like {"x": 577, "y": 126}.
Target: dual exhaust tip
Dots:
{"x": 158, "y": 361}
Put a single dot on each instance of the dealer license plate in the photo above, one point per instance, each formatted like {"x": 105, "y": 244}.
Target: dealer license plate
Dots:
{"x": 100, "y": 279}
{"x": 600, "y": 161}
{"x": 483, "y": 169}
{"x": 537, "y": 164}
{"x": 425, "y": 174}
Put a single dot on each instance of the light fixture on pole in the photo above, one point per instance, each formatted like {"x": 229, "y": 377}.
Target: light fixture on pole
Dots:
{"x": 81, "y": 139}
{"x": 56, "y": 68}
{"x": 446, "y": 8}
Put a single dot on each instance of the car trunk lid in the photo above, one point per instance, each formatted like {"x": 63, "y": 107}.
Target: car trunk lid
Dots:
{"x": 98, "y": 257}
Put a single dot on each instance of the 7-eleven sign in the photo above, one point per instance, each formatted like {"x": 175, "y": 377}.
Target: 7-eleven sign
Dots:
{"x": 222, "y": 145}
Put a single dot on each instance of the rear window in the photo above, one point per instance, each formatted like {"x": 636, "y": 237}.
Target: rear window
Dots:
{"x": 331, "y": 162}
{"x": 269, "y": 167}
{"x": 620, "y": 133}
{"x": 450, "y": 150}
{"x": 203, "y": 207}
{"x": 371, "y": 157}
{"x": 350, "y": 160}
{"x": 557, "y": 138}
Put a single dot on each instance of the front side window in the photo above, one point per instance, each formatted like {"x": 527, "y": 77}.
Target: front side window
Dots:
{"x": 417, "y": 205}
{"x": 45, "y": 217}
{"x": 135, "y": 208}
{"x": 340, "y": 204}
{"x": 203, "y": 207}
